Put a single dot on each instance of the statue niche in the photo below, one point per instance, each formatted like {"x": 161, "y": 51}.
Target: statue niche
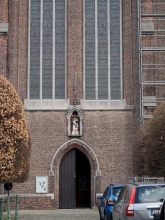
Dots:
{"x": 74, "y": 117}
{"x": 75, "y": 124}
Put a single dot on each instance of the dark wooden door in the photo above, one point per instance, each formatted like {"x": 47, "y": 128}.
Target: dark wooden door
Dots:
{"x": 74, "y": 180}
{"x": 82, "y": 180}
{"x": 67, "y": 181}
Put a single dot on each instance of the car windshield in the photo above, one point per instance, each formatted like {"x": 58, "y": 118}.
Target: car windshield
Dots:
{"x": 116, "y": 191}
{"x": 145, "y": 194}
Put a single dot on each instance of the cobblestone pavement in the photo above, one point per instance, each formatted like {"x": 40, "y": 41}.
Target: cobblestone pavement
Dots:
{"x": 58, "y": 214}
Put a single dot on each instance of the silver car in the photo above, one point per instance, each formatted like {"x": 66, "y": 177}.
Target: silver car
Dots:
{"x": 139, "y": 201}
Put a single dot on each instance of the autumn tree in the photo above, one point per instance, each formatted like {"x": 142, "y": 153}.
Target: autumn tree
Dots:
{"x": 14, "y": 136}
{"x": 156, "y": 143}
{"x": 140, "y": 150}
{"x": 149, "y": 146}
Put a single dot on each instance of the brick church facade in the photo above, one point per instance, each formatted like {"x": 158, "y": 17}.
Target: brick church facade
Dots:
{"x": 75, "y": 67}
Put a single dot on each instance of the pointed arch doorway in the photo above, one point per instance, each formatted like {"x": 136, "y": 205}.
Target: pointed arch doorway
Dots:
{"x": 75, "y": 172}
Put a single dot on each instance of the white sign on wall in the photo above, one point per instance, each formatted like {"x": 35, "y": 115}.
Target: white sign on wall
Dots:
{"x": 41, "y": 184}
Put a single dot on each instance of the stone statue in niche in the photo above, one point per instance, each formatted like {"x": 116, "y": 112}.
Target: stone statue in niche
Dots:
{"x": 75, "y": 124}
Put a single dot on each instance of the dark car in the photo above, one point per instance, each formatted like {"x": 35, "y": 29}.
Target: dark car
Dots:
{"x": 107, "y": 201}
{"x": 161, "y": 214}
{"x": 139, "y": 201}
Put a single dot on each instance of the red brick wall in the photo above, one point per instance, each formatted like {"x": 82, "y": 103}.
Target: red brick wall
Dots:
{"x": 26, "y": 203}
{"x": 18, "y": 45}
{"x": 75, "y": 47}
{"x": 3, "y": 38}
{"x": 130, "y": 52}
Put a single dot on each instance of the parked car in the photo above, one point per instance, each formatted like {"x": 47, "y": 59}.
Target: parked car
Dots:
{"x": 107, "y": 201}
{"x": 139, "y": 201}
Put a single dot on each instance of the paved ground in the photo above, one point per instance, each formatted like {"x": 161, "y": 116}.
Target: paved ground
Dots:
{"x": 58, "y": 214}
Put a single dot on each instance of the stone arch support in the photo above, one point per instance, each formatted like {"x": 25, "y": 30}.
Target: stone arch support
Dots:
{"x": 83, "y": 147}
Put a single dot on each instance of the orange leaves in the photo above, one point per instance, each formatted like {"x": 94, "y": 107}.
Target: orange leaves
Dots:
{"x": 149, "y": 145}
{"x": 14, "y": 135}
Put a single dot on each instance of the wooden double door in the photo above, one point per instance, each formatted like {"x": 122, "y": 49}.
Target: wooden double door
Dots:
{"x": 74, "y": 181}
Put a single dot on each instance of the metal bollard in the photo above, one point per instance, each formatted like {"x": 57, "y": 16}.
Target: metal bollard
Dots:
{"x": 8, "y": 208}
{"x": 1, "y": 209}
{"x": 16, "y": 208}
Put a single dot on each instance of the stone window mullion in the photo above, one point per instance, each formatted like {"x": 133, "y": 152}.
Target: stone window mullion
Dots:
{"x": 41, "y": 47}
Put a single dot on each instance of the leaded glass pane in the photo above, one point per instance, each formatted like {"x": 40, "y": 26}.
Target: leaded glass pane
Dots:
{"x": 115, "y": 76}
{"x": 35, "y": 50}
{"x": 90, "y": 87}
{"x": 60, "y": 49}
{"x": 47, "y": 49}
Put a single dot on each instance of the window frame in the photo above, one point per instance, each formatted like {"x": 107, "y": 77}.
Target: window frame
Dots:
{"x": 52, "y": 103}
{"x": 99, "y": 102}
